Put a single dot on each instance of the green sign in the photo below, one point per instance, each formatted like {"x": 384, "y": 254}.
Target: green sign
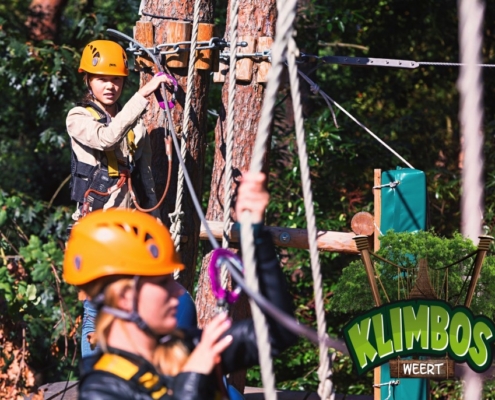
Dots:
{"x": 420, "y": 327}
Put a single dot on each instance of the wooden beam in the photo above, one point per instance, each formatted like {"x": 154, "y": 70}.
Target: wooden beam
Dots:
{"x": 377, "y": 194}
{"x": 483, "y": 247}
{"x": 338, "y": 242}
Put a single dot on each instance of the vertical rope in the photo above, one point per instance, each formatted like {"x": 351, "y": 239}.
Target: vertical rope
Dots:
{"x": 286, "y": 14}
{"x": 176, "y": 226}
{"x": 324, "y": 370}
{"x": 471, "y": 117}
{"x": 234, "y": 18}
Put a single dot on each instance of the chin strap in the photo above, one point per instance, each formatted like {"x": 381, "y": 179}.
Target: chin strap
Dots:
{"x": 133, "y": 316}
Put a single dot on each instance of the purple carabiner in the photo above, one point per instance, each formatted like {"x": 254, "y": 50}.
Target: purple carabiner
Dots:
{"x": 213, "y": 270}
{"x": 158, "y": 94}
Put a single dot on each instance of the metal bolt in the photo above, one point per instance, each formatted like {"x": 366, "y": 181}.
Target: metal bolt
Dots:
{"x": 284, "y": 237}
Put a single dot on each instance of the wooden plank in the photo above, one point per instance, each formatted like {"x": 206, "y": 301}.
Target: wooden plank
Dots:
{"x": 330, "y": 241}
{"x": 144, "y": 34}
{"x": 377, "y": 193}
{"x": 204, "y": 57}
{"x": 440, "y": 368}
{"x": 264, "y": 43}
{"x": 178, "y": 31}
{"x": 244, "y": 66}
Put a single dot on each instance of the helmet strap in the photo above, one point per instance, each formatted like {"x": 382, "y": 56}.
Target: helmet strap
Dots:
{"x": 86, "y": 81}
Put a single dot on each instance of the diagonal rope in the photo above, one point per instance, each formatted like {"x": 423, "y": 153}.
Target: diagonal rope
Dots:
{"x": 286, "y": 15}
{"x": 176, "y": 216}
{"x": 329, "y": 100}
{"x": 234, "y": 19}
{"x": 325, "y": 388}
{"x": 471, "y": 117}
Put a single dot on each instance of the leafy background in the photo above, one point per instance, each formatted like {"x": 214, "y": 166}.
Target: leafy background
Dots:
{"x": 414, "y": 111}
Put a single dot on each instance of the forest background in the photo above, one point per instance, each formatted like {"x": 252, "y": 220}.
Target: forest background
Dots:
{"x": 414, "y": 111}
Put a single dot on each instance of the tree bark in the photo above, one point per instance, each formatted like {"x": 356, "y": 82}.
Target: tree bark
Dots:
{"x": 256, "y": 19}
{"x": 155, "y": 122}
{"x": 43, "y": 18}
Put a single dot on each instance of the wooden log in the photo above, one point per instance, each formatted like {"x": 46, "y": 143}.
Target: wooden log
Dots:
{"x": 223, "y": 70}
{"x": 330, "y": 241}
{"x": 204, "y": 57}
{"x": 362, "y": 223}
{"x": 178, "y": 31}
{"x": 144, "y": 34}
{"x": 264, "y": 43}
{"x": 244, "y": 66}
{"x": 440, "y": 368}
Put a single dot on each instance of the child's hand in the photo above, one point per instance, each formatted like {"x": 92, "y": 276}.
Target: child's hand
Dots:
{"x": 252, "y": 196}
{"x": 207, "y": 353}
{"x": 154, "y": 84}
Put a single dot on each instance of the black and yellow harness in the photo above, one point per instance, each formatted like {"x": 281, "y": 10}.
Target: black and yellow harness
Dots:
{"x": 149, "y": 381}
{"x": 145, "y": 379}
{"x": 92, "y": 185}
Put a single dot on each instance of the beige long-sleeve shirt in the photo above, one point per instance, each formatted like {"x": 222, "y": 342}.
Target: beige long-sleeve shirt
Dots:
{"x": 90, "y": 139}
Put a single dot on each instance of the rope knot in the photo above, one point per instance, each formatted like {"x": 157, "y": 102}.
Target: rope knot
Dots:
{"x": 175, "y": 221}
{"x": 315, "y": 89}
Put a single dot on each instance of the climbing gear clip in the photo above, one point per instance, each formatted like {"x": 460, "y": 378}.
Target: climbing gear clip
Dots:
{"x": 217, "y": 259}
{"x": 158, "y": 94}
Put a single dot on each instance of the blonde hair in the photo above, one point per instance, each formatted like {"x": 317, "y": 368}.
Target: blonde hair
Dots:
{"x": 168, "y": 358}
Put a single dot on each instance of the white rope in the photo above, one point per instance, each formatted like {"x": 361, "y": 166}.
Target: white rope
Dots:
{"x": 471, "y": 117}
{"x": 328, "y": 100}
{"x": 234, "y": 18}
{"x": 286, "y": 14}
{"x": 325, "y": 387}
{"x": 176, "y": 226}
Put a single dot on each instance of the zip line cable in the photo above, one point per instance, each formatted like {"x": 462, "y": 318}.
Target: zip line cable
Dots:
{"x": 329, "y": 99}
{"x": 235, "y": 267}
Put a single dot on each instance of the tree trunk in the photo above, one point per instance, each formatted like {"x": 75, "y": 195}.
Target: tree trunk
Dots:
{"x": 256, "y": 19}
{"x": 154, "y": 120}
{"x": 43, "y": 18}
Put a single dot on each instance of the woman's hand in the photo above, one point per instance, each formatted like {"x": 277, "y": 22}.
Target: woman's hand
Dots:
{"x": 207, "y": 353}
{"x": 154, "y": 84}
{"x": 252, "y": 196}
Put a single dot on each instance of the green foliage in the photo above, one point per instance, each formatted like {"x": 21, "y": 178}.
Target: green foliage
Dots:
{"x": 41, "y": 81}
{"x": 405, "y": 250}
{"x": 32, "y": 294}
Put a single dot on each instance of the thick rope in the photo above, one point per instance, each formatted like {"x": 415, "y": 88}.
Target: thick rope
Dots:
{"x": 325, "y": 387}
{"x": 286, "y": 15}
{"x": 316, "y": 89}
{"x": 176, "y": 226}
{"x": 471, "y": 117}
{"x": 234, "y": 18}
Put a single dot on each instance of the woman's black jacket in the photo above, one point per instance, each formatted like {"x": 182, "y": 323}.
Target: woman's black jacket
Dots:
{"x": 242, "y": 352}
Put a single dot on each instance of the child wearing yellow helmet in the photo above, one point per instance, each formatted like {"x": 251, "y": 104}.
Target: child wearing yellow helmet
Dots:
{"x": 108, "y": 142}
{"x": 125, "y": 261}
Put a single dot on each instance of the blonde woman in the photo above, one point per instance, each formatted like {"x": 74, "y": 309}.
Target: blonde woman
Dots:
{"x": 125, "y": 261}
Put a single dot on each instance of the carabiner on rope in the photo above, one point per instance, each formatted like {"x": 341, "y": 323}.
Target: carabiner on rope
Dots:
{"x": 158, "y": 94}
{"x": 218, "y": 257}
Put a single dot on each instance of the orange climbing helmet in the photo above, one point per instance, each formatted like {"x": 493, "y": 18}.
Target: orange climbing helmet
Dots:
{"x": 118, "y": 242}
{"x": 104, "y": 57}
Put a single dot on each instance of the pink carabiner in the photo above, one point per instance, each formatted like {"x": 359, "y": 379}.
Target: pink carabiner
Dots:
{"x": 213, "y": 269}
{"x": 158, "y": 94}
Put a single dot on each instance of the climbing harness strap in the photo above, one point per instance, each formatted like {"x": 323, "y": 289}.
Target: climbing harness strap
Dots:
{"x": 113, "y": 165}
{"x": 127, "y": 370}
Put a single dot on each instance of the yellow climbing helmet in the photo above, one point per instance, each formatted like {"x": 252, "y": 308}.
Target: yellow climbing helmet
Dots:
{"x": 118, "y": 242}
{"x": 104, "y": 57}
